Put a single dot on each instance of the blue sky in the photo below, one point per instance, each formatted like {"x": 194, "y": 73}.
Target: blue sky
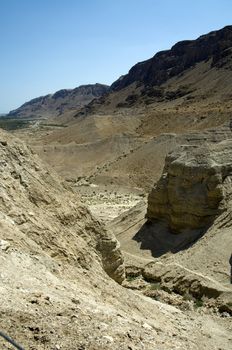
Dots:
{"x": 47, "y": 45}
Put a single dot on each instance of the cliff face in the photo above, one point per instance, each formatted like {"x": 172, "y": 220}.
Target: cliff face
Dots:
{"x": 39, "y": 214}
{"x": 166, "y": 64}
{"x": 60, "y": 102}
{"x": 192, "y": 71}
{"x": 194, "y": 188}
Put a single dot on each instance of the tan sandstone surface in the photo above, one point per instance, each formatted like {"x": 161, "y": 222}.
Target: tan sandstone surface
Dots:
{"x": 54, "y": 291}
{"x": 183, "y": 248}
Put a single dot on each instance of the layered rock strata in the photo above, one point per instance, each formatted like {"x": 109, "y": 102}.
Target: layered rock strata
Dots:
{"x": 194, "y": 188}
{"x": 38, "y": 211}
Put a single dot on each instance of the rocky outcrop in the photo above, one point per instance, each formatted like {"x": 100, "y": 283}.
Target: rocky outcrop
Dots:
{"x": 195, "y": 187}
{"x": 60, "y": 102}
{"x": 175, "y": 278}
{"x": 39, "y": 213}
{"x": 183, "y": 55}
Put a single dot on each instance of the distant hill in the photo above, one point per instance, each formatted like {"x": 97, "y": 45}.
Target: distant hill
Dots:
{"x": 190, "y": 72}
{"x": 183, "y": 55}
{"x": 61, "y": 101}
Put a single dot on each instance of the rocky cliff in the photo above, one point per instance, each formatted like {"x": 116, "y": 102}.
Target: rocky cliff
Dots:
{"x": 183, "y": 55}
{"x": 36, "y": 208}
{"x": 60, "y": 102}
{"x": 195, "y": 187}
{"x": 192, "y": 71}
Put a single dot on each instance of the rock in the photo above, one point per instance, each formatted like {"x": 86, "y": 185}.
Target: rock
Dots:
{"x": 108, "y": 338}
{"x": 180, "y": 280}
{"x": 75, "y": 301}
{"x": 195, "y": 187}
{"x": 225, "y": 303}
{"x": 112, "y": 257}
{"x": 133, "y": 271}
{"x": 147, "y": 326}
{"x": 3, "y": 143}
{"x": 4, "y": 245}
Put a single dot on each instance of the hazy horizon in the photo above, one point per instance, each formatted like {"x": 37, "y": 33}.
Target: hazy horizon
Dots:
{"x": 52, "y": 45}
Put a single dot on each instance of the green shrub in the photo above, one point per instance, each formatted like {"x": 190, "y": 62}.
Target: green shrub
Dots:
{"x": 155, "y": 286}
{"x": 198, "y": 303}
{"x": 131, "y": 278}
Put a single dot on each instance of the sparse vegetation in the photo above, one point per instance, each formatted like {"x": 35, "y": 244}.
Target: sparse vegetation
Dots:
{"x": 155, "y": 286}
{"x": 14, "y": 124}
{"x": 188, "y": 297}
{"x": 53, "y": 125}
{"x": 198, "y": 303}
{"x": 131, "y": 278}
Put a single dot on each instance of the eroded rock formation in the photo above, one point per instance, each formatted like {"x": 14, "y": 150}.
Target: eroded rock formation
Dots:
{"x": 35, "y": 206}
{"x": 194, "y": 188}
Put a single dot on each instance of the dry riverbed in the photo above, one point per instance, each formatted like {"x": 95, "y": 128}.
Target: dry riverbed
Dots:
{"x": 107, "y": 202}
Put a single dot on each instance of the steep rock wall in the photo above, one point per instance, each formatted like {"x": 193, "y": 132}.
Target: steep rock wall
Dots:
{"x": 194, "y": 188}
{"x": 34, "y": 203}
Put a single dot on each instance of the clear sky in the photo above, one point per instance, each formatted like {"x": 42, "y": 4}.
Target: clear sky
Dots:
{"x": 47, "y": 45}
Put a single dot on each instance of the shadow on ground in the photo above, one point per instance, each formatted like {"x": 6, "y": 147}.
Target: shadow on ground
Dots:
{"x": 157, "y": 238}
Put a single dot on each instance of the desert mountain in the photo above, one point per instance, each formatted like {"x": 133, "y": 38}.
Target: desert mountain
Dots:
{"x": 183, "y": 55}
{"x": 61, "y": 267}
{"x": 192, "y": 71}
{"x": 61, "y": 101}
{"x": 118, "y": 136}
